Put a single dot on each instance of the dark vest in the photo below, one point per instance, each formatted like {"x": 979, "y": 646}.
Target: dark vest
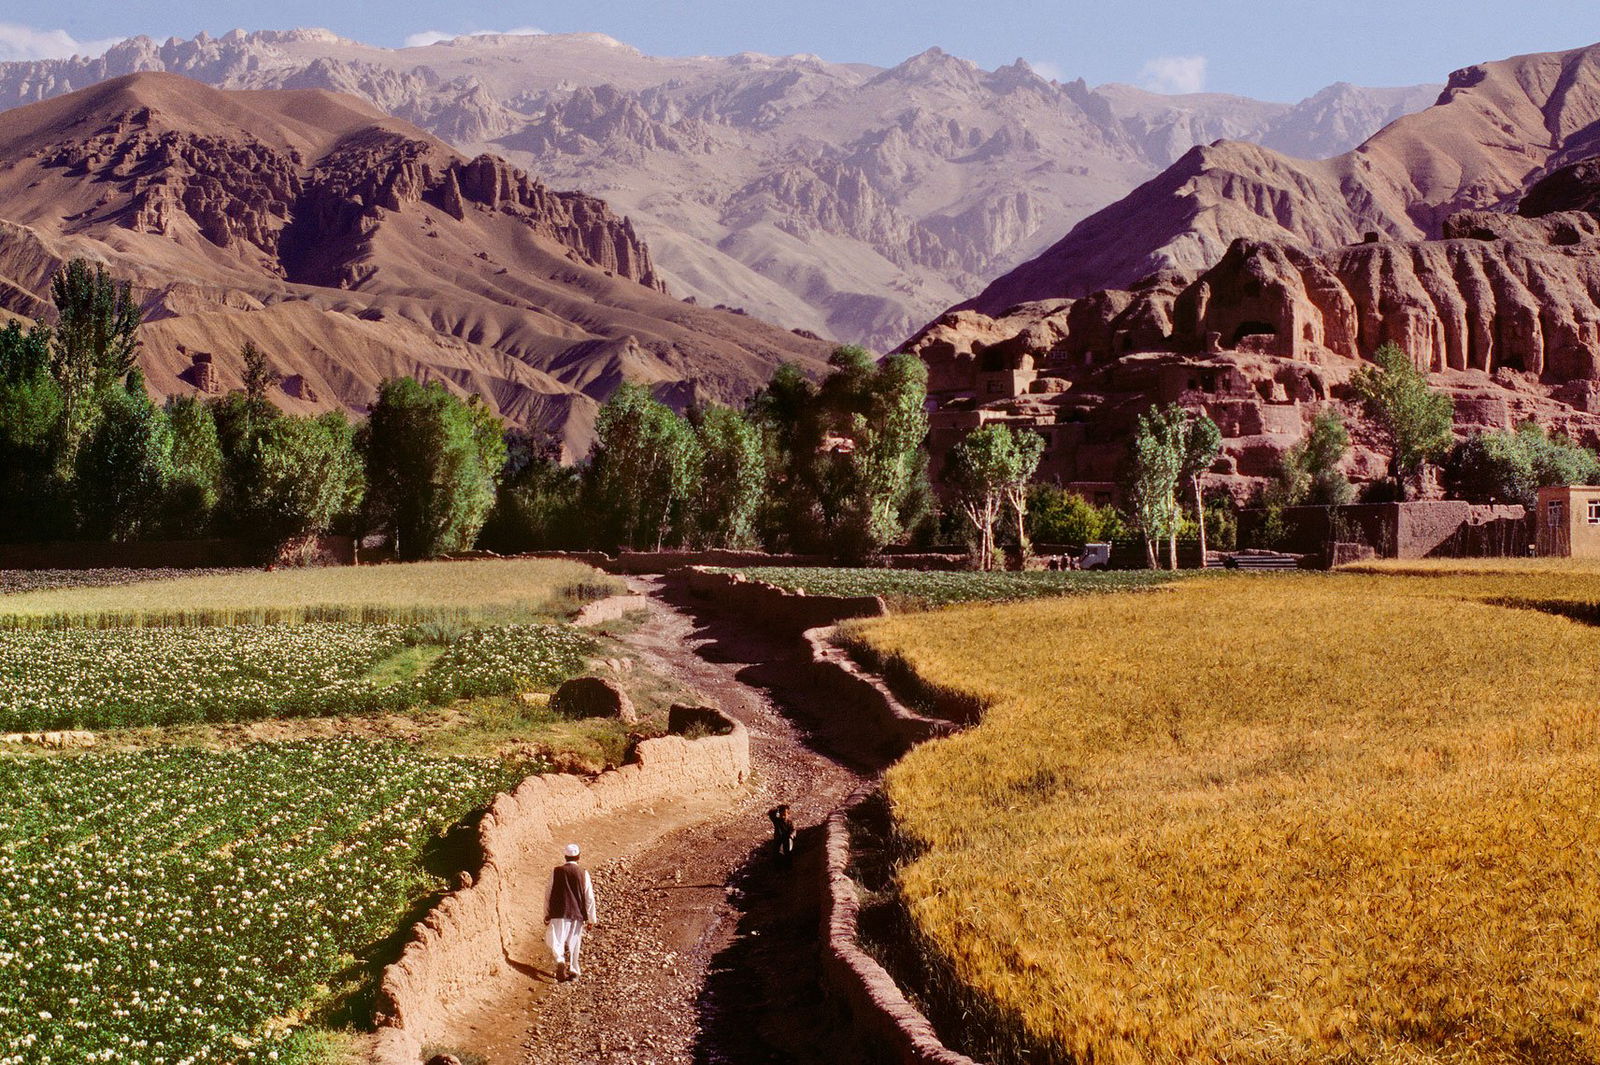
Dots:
{"x": 566, "y": 894}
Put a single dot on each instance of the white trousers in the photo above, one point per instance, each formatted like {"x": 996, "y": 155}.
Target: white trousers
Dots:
{"x": 565, "y": 939}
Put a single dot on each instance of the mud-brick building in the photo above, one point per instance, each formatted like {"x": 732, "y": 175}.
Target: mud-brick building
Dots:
{"x": 1569, "y": 521}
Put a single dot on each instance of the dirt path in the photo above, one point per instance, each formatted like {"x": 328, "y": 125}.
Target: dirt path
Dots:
{"x": 706, "y": 952}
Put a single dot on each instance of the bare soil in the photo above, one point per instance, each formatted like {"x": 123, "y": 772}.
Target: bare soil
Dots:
{"x": 707, "y": 951}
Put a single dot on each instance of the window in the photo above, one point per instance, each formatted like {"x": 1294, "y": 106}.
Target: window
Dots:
{"x": 1594, "y": 512}
{"x": 1553, "y": 513}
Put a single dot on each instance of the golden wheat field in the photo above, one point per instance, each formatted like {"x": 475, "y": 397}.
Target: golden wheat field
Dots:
{"x": 1310, "y": 818}
{"x": 500, "y": 589}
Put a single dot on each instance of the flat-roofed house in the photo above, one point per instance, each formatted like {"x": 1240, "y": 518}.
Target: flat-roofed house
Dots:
{"x": 1568, "y": 521}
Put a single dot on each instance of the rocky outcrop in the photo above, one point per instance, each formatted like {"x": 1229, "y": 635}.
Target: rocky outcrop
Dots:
{"x": 1503, "y": 310}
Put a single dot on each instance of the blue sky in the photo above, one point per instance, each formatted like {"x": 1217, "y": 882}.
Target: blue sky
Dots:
{"x": 1273, "y": 49}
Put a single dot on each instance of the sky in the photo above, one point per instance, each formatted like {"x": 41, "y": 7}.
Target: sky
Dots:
{"x": 1269, "y": 49}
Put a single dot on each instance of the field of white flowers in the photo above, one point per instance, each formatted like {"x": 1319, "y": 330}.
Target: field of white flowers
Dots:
{"x": 117, "y": 678}
{"x": 183, "y": 907}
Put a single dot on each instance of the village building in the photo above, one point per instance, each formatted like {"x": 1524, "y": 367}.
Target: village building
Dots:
{"x": 1569, "y": 521}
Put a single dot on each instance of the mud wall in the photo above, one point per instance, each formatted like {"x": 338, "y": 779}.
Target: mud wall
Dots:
{"x": 877, "y": 1007}
{"x": 462, "y": 943}
{"x": 777, "y": 607}
{"x": 177, "y": 554}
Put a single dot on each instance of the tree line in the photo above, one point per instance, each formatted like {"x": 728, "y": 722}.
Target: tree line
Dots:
{"x": 837, "y": 466}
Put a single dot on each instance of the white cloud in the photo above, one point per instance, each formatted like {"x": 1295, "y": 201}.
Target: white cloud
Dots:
{"x": 427, "y": 37}
{"x": 1047, "y": 70}
{"x": 26, "y": 43}
{"x": 1174, "y": 74}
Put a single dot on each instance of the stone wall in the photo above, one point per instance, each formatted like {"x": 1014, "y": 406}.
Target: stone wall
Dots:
{"x": 462, "y": 944}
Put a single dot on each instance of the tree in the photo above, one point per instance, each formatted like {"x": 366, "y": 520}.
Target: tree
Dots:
{"x": 301, "y": 476}
{"x": 1512, "y": 467}
{"x": 988, "y": 471}
{"x": 123, "y": 466}
{"x": 259, "y": 377}
{"x": 733, "y": 481}
{"x": 1202, "y": 443}
{"x": 1310, "y": 472}
{"x": 1414, "y": 420}
{"x": 886, "y": 462}
{"x": 845, "y": 458}
{"x": 642, "y": 472}
{"x": 433, "y": 465}
{"x": 536, "y": 505}
{"x": 34, "y": 504}
{"x": 194, "y": 489}
{"x": 1156, "y": 467}
{"x": 94, "y": 344}
{"x": 1058, "y": 516}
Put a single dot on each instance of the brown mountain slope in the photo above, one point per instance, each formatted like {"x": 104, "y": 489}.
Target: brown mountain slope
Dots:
{"x": 850, "y": 200}
{"x": 1495, "y": 129}
{"x": 351, "y": 246}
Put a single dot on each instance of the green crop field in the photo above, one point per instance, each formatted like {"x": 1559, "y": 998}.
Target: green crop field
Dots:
{"x": 921, "y": 589}
{"x": 188, "y": 907}
{"x": 122, "y": 678}
{"x": 188, "y": 895}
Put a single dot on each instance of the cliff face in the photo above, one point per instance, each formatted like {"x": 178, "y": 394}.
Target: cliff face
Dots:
{"x": 849, "y": 200}
{"x": 352, "y": 247}
{"x": 1502, "y": 310}
{"x": 241, "y": 191}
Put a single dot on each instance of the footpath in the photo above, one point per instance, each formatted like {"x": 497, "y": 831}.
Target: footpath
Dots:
{"x": 706, "y": 951}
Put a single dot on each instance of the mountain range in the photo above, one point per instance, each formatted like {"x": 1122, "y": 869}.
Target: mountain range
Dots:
{"x": 848, "y": 200}
{"x": 351, "y": 246}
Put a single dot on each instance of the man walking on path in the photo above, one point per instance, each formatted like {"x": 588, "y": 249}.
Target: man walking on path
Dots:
{"x": 569, "y": 911}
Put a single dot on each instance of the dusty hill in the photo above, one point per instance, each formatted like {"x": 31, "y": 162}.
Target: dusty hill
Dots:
{"x": 1496, "y": 129}
{"x": 850, "y": 200}
{"x": 351, "y": 246}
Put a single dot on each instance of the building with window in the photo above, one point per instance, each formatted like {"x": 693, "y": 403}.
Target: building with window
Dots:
{"x": 1568, "y": 521}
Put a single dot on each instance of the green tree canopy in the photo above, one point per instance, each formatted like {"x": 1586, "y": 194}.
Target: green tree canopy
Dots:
{"x": 1414, "y": 420}
{"x": 987, "y": 472}
{"x": 1059, "y": 516}
{"x": 433, "y": 465}
{"x": 1310, "y": 473}
{"x": 733, "y": 481}
{"x": 643, "y": 471}
{"x": 845, "y": 457}
{"x": 123, "y": 468}
{"x": 1512, "y": 467}
{"x": 301, "y": 476}
{"x": 93, "y": 345}
{"x": 35, "y": 502}
{"x": 194, "y": 489}
{"x": 1156, "y": 459}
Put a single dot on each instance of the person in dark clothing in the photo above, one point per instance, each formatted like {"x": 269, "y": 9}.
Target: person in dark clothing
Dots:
{"x": 782, "y": 834}
{"x": 569, "y": 911}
